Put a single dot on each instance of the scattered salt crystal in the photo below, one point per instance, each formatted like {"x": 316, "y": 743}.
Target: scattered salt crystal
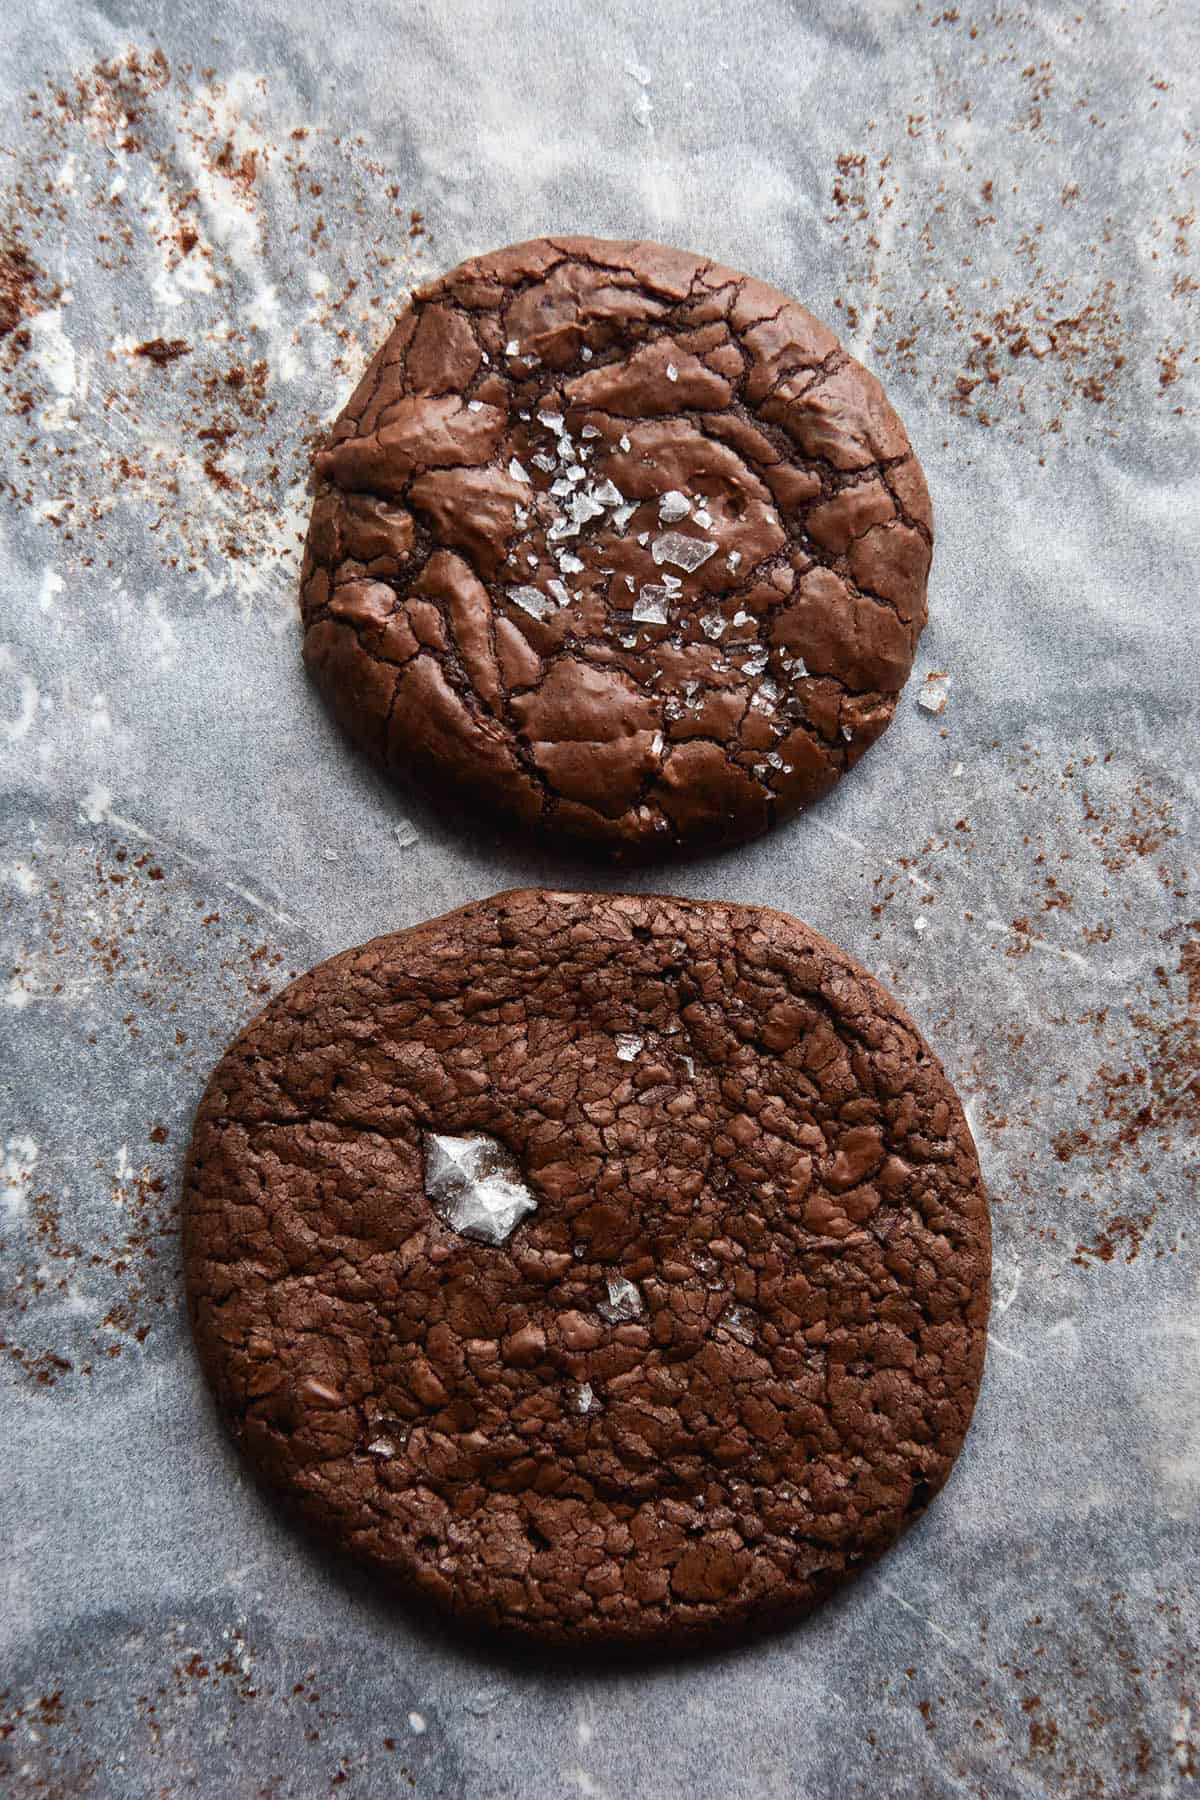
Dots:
{"x": 552, "y": 421}
{"x": 416, "y": 1723}
{"x": 512, "y": 348}
{"x": 732, "y": 560}
{"x": 609, "y": 494}
{"x": 627, "y": 1046}
{"x": 712, "y": 624}
{"x": 629, "y": 639}
{"x": 561, "y": 592}
{"x": 517, "y": 472}
{"x": 743, "y": 618}
{"x": 755, "y": 663}
{"x": 586, "y": 354}
{"x": 624, "y": 1301}
{"x": 531, "y": 599}
{"x": 656, "y": 744}
{"x": 643, "y": 538}
{"x": 569, "y": 563}
{"x": 546, "y": 463}
{"x": 702, "y": 517}
{"x": 474, "y": 1185}
{"x": 474, "y": 405}
{"x": 957, "y": 769}
{"x": 520, "y": 515}
{"x": 685, "y": 552}
{"x": 774, "y": 760}
{"x": 624, "y": 442}
{"x": 404, "y": 833}
{"x": 590, "y": 431}
{"x": 921, "y": 924}
{"x": 576, "y": 473}
{"x": 935, "y": 693}
{"x": 847, "y": 733}
{"x": 689, "y": 1065}
{"x": 672, "y": 372}
{"x": 381, "y": 1447}
{"x": 532, "y": 561}
{"x": 629, "y": 583}
{"x": 739, "y": 1323}
{"x": 673, "y": 505}
{"x": 560, "y": 488}
{"x": 765, "y": 697}
{"x": 584, "y": 1397}
{"x": 650, "y": 607}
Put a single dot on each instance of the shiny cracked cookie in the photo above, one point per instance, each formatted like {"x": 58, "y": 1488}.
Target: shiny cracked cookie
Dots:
{"x": 601, "y": 1268}
{"x": 616, "y": 544}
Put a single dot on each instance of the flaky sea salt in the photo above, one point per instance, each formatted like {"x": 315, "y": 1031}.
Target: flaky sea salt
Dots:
{"x": 656, "y": 744}
{"x": 628, "y": 1046}
{"x": 552, "y": 421}
{"x": 569, "y": 563}
{"x": 543, "y": 462}
{"x": 672, "y": 372}
{"x": 531, "y": 599}
{"x": 685, "y": 552}
{"x": 755, "y": 663}
{"x": 935, "y": 693}
{"x": 712, "y": 624}
{"x": 673, "y": 505}
{"x": 590, "y": 431}
{"x": 739, "y": 1323}
{"x": 702, "y": 517}
{"x": 624, "y": 1301}
{"x": 561, "y": 592}
{"x": 474, "y": 405}
{"x": 512, "y": 348}
{"x": 732, "y": 560}
{"x": 518, "y": 471}
{"x": 584, "y": 1398}
{"x": 650, "y": 607}
{"x": 624, "y": 442}
{"x": 474, "y": 1185}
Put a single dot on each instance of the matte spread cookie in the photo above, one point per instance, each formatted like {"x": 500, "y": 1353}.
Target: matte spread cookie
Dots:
{"x": 618, "y": 544}
{"x": 601, "y": 1268}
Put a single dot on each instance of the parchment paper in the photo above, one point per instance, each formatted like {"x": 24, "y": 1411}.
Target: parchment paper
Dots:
{"x": 997, "y": 210}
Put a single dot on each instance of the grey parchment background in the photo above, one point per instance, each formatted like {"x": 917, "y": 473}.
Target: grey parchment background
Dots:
{"x": 997, "y": 209}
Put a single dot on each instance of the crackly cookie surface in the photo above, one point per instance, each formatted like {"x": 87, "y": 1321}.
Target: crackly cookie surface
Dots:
{"x": 618, "y": 544}
{"x": 603, "y": 1267}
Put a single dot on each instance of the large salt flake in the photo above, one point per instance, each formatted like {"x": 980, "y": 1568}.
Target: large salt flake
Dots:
{"x": 624, "y": 1301}
{"x": 531, "y": 600}
{"x": 473, "y": 1183}
{"x": 685, "y": 552}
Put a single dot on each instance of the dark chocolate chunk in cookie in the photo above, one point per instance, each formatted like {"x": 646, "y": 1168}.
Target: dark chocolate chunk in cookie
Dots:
{"x": 618, "y": 544}
{"x": 602, "y": 1268}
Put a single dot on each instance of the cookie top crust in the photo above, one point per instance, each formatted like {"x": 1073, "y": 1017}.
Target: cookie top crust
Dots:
{"x": 618, "y": 545}
{"x": 602, "y": 1268}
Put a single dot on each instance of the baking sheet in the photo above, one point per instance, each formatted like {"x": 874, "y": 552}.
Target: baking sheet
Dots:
{"x": 208, "y": 217}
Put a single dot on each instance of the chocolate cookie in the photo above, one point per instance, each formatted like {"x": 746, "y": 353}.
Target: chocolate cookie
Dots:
{"x": 616, "y": 543}
{"x": 602, "y": 1268}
